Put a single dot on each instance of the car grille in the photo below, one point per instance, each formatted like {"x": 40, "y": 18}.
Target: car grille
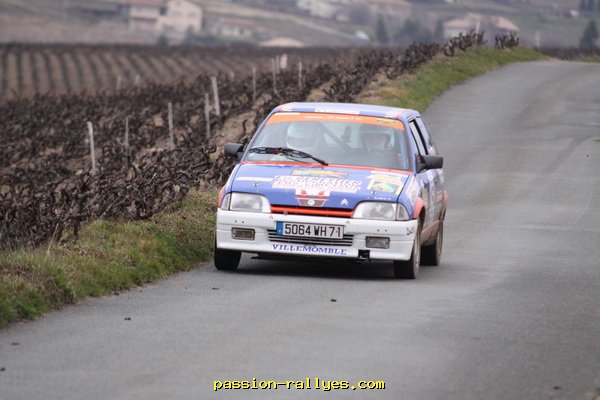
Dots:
{"x": 345, "y": 241}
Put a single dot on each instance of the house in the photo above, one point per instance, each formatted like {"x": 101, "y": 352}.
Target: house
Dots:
{"x": 181, "y": 16}
{"x": 162, "y": 16}
{"x": 341, "y": 10}
{"x": 141, "y": 15}
{"x": 322, "y": 8}
{"x": 492, "y": 24}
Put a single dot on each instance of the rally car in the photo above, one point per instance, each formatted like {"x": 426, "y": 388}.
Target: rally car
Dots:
{"x": 349, "y": 181}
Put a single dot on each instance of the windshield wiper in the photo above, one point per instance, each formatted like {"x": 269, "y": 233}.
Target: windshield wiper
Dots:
{"x": 287, "y": 152}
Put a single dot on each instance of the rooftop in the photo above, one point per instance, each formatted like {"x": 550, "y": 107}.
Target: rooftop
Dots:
{"x": 346, "y": 108}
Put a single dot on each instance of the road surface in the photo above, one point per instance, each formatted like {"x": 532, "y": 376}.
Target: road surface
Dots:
{"x": 513, "y": 312}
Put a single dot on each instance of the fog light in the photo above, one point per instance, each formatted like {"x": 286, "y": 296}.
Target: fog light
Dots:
{"x": 242, "y": 234}
{"x": 378, "y": 242}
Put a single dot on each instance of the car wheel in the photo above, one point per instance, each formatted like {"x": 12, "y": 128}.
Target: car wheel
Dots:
{"x": 227, "y": 260}
{"x": 432, "y": 254}
{"x": 409, "y": 269}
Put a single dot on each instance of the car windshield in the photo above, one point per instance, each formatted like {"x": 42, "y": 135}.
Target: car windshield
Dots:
{"x": 333, "y": 139}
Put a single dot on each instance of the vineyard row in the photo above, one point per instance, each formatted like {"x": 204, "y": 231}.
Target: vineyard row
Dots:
{"x": 26, "y": 70}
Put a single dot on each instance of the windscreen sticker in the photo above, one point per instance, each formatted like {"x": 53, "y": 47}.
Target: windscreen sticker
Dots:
{"x": 336, "y": 111}
{"x": 320, "y": 183}
{"x": 333, "y": 117}
{"x": 386, "y": 120}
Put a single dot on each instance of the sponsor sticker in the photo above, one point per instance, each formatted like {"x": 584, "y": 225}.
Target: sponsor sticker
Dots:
{"x": 386, "y": 183}
{"x": 254, "y": 179}
{"x": 310, "y": 249}
{"x": 387, "y": 187}
{"x": 393, "y": 115}
{"x": 319, "y": 183}
{"x": 312, "y": 197}
{"x": 412, "y": 191}
{"x": 319, "y": 172}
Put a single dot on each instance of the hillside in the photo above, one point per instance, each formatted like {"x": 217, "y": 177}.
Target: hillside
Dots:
{"x": 325, "y": 23}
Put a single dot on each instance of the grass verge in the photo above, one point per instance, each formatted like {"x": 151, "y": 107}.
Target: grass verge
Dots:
{"x": 115, "y": 255}
{"x": 417, "y": 90}
{"x": 108, "y": 256}
{"x": 595, "y": 58}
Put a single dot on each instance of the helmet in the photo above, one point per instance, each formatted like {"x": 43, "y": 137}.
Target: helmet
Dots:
{"x": 303, "y": 136}
{"x": 375, "y": 137}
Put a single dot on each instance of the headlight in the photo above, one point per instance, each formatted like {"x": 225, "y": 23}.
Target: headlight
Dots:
{"x": 380, "y": 210}
{"x": 375, "y": 210}
{"x": 246, "y": 202}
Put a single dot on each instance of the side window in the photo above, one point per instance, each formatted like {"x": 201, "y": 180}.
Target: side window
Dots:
{"x": 431, "y": 149}
{"x": 417, "y": 137}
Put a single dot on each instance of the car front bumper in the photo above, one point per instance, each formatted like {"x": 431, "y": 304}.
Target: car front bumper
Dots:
{"x": 401, "y": 236}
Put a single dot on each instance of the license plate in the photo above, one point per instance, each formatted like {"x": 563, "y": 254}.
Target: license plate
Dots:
{"x": 310, "y": 230}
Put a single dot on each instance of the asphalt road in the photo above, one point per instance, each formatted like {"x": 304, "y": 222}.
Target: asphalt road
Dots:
{"x": 513, "y": 312}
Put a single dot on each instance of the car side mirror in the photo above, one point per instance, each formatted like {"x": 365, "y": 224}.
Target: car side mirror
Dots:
{"x": 233, "y": 150}
{"x": 430, "y": 162}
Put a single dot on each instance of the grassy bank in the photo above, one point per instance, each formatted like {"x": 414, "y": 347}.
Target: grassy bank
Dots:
{"x": 591, "y": 59}
{"x": 419, "y": 89}
{"x": 114, "y": 255}
{"x": 109, "y": 256}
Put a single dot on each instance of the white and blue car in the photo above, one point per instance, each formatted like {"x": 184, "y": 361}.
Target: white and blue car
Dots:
{"x": 346, "y": 181}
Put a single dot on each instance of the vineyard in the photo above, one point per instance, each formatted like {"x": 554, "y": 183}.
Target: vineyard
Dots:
{"x": 151, "y": 144}
{"x": 26, "y": 70}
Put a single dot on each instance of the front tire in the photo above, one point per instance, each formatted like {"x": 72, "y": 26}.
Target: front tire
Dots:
{"x": 409, "y": 269}
{"x": 432, "y": 254}
{"x": 226, "y": 260}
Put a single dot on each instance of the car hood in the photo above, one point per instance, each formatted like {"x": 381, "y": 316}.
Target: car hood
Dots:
{"x": 318, "y": 186}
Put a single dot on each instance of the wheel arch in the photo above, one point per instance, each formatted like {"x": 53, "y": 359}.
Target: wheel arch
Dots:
{"x": 419, "y": 210}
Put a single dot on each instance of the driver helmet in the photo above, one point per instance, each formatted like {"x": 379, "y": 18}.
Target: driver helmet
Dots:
{"x": 303, "y": 136}
{"x": 375, "y": 137}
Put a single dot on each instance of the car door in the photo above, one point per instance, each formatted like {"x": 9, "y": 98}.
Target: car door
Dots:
{"x": 428, "y": 177}
{"x": 438, "y": 173}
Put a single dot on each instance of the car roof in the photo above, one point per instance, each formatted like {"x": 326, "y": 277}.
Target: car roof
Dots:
{"x": 347, "y": 108}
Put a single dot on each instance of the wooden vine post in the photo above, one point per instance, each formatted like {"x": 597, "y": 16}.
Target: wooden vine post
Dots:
{"x": 253, "y": 84}
{"x": 207, "y": 114}
{"x": 92, "y": 148}
{"x": 127, "y": 154}
{"x": 274, "y": 67}
{"x": 171, "y": 135}
{"x": 215, "y": 88}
